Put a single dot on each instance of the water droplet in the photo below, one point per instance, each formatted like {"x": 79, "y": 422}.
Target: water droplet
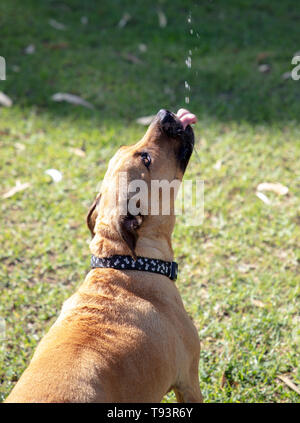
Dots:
{"x": 187, "y": 100}
{"x": 188, "y": 62}
{"x": 187, "y": 85}
{"x": 191, "y": 31}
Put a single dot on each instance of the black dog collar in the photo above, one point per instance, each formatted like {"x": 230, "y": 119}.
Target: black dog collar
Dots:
{"x": 166, "y": 268}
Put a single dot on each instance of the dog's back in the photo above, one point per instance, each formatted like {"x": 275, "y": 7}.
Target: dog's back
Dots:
{"x": 114, "y": 342}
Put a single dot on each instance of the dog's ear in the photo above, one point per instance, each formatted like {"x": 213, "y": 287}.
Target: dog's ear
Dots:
{"x": 128, "y": 228}
{"x": 92, "y": 215}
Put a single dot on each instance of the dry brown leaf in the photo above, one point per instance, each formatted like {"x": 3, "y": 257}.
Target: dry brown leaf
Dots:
{"x": 17, "y": 188}
{"x": 263, "y": 197}
{"x": 274, "y": 187}
{"x": 19, "y": 146}
{"x": 264, "y": 68}
{"x": 57, "y": 25}
{"x": 30, "y": 49}
{"x": 225, "y": 381}
{"x": 56, "y": 46}
{"x": 54, "y": 174}
{"x": 78, "y": 152}
{"x": 5, "y": 100}
{"x": 289, "y": 383}
{"x": 258, "y": 303}
{"x": 162, "y": 20}
{"x": 124, "y": 20}
{"x": 71, "y": 98}
{"x": 244, "y": 267}
{"x": 143, "y": 48}
{"x": 145, "y": 120}
{"x": 218, "y": 165}
{"x": 132, "y": 58}
{"x": 5, "y": 132}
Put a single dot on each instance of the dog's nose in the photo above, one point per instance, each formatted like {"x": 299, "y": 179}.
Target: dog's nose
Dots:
{"x": 169, "y": 122}
{"x": 165, "y": 116}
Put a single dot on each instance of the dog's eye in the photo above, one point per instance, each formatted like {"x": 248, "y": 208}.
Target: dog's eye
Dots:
{"x": 146, "y": 159}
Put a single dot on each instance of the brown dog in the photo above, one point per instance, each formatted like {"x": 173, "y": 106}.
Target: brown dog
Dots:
{"x": 124, "y": 336}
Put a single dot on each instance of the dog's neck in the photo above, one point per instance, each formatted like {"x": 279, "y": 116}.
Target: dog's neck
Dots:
{"x": 154, "y": 248}
{"x": 107, "y": 242}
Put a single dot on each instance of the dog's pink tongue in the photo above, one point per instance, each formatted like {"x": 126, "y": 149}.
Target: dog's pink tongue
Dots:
{"x": 186, "y": 117}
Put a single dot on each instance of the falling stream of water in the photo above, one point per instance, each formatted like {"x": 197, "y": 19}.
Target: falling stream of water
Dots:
{"x": 188, "y": 63}
{"x": 188, "y": 60}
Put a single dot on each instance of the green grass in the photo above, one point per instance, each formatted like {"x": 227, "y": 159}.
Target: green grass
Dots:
{"x": 239, "y": 270}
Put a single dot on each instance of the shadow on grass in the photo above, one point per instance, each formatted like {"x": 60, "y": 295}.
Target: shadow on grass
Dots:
{"x": 135, "y": 70}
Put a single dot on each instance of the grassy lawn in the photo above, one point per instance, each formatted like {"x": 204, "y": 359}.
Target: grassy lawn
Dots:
{"x": 239, "y": 270}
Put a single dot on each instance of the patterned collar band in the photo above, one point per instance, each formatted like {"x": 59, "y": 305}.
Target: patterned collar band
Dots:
{"x": 166, "y": 268}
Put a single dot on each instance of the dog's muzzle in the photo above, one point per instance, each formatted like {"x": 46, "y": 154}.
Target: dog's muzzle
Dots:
{"x": 173, "y": 128}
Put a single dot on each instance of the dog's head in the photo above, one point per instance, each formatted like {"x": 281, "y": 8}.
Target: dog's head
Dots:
{"x": 139, "y": 188}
